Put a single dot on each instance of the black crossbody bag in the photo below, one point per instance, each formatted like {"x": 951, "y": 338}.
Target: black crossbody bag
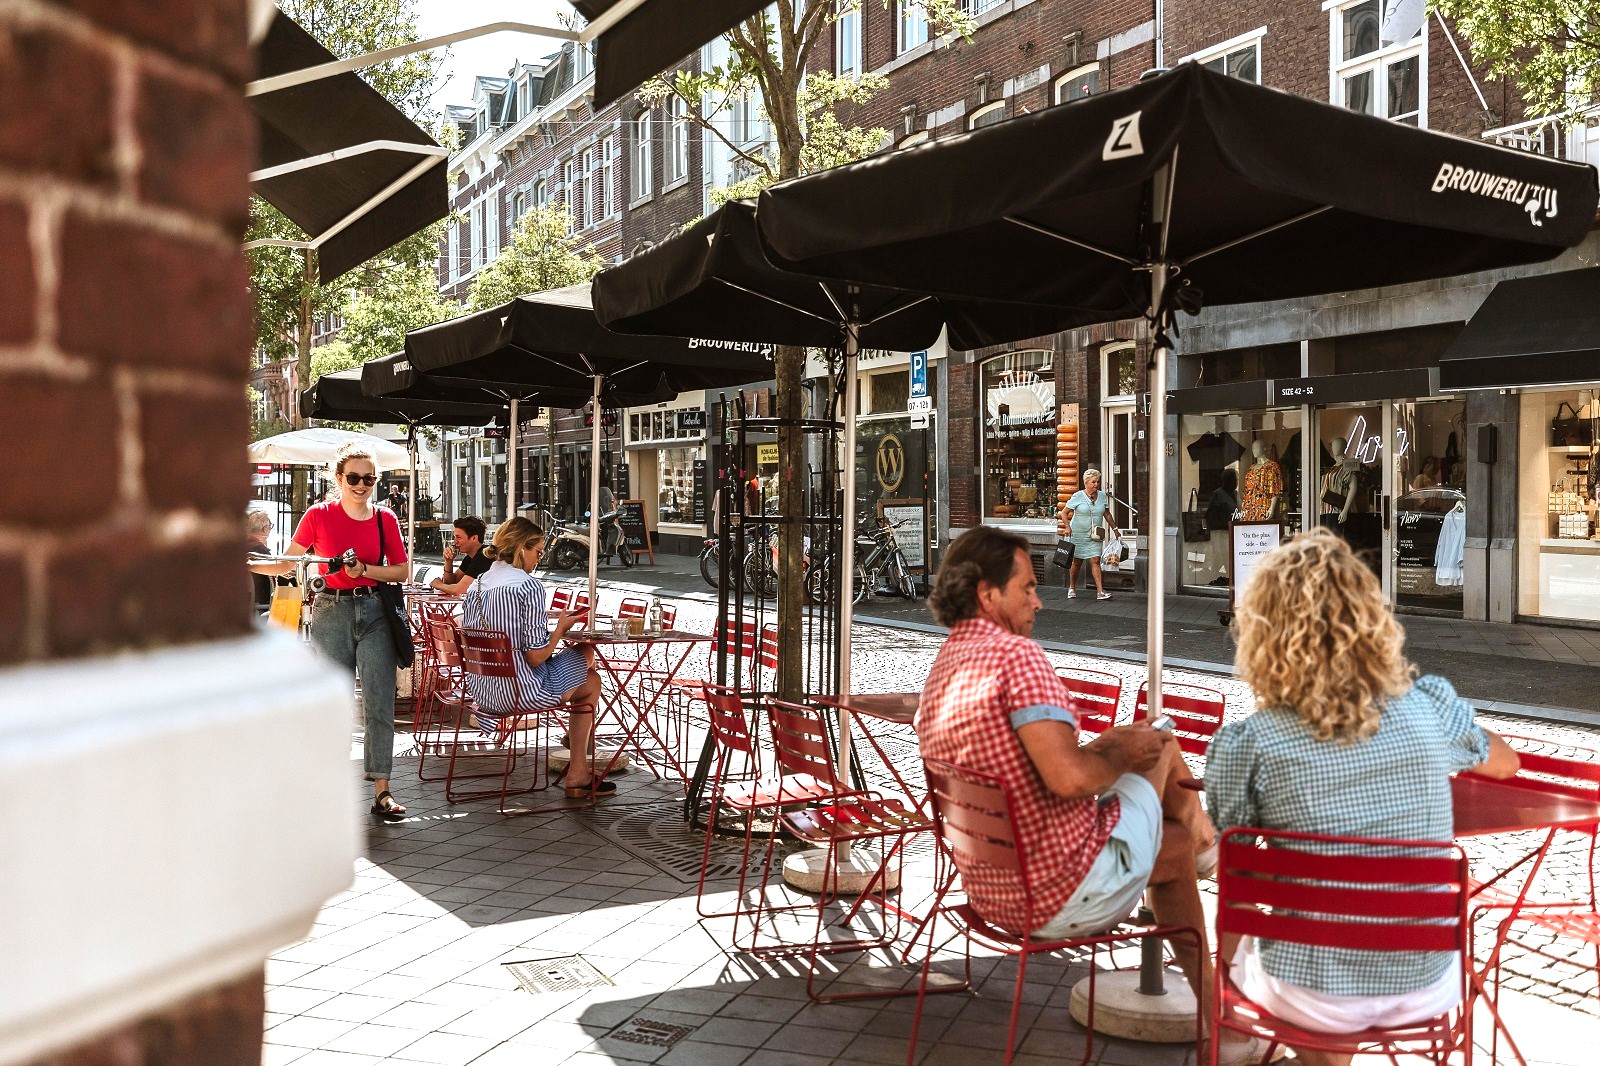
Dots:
{"x": 392, "y": 599}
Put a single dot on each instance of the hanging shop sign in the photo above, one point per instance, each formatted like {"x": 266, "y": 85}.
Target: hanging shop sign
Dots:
{"x": 692, "y": 420}
{"x": 766, "y": 455}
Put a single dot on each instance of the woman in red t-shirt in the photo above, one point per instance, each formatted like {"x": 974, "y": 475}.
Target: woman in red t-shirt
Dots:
{"x": 347, "y": 624}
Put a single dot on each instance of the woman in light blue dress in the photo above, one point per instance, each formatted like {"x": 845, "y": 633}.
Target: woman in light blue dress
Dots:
{"x": 1086, "y": 521}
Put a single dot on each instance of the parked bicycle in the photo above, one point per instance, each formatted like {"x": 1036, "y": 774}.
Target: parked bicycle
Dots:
{"x": 881, "y": 568}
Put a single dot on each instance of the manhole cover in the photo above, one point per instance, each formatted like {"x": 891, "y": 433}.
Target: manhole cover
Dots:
{"x": 656, "y": 834}
{"x": 557, "y": 975}
{"x": 650, "y": 1032}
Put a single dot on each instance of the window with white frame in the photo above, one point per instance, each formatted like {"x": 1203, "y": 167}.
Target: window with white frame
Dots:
{"x": 584, "y": 61}
{"x": 847, "y": 42}
{"x": 1388, "y": 80}
{"x": 541, "y": 194}
{"x": 491, "y": 227}
{"x": 1077, "y": 83}
{"x": 640, "y": 163}
{"x": 590, "y": 201}
{"x": 608, "y": 174}
{"x": 987, "y": 115}
{"x": 913, "y": 27}
{"x": 677, "y": 161}
{"x": 453, "y": 251}
{"x": 910, "y": 140}
{"x": 1239, "y": 58}
{"x": 569, "y": 187}
{"x": 476, "y": 236}
{"x": 978, "y": 7}
{"x": 746, "y": 123}
{"x": 1018, "y": 392}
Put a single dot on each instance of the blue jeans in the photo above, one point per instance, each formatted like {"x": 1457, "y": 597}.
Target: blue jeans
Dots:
{"x": 350, "y": 632}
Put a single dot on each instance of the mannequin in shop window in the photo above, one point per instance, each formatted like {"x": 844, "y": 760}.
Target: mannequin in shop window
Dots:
{"x": 1341, "y": 486}
{"x": 1263, "y": 486}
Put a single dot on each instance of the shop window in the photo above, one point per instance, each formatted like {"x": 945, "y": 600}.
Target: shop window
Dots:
{"x": 1019, "y": 439}
{"x": 675, "y": 499}
{"x": 1428, "y": 454}
{"x": 1387, "y": 79}
{"x": 1559, "y": 478}
{"x": 888, "y": 392}
{"x": 1233, "y": 467}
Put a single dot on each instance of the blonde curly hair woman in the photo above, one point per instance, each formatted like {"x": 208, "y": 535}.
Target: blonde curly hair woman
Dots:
{"x": 1346, "y": 741}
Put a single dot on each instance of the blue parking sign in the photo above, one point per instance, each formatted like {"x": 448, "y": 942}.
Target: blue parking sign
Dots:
{"x": 919, "y": 373}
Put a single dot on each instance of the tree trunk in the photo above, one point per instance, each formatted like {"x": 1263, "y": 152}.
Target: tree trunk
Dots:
{"x": 302, "y": 338}
{"x": 790, "y": 364}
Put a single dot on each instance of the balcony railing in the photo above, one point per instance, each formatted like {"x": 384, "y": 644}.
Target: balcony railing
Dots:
{"x": 1574, "y": 135}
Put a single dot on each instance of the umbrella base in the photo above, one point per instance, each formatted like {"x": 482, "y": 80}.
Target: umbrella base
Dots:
{"x": 1121, "y": 1010}
{"x": 852, "y": 873}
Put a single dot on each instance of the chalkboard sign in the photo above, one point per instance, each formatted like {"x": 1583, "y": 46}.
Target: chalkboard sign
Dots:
{"x": 701, "y": 490}
{"x": 630, "y": 514}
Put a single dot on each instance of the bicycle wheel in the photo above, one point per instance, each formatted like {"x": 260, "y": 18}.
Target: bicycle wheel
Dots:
{"x": 759, "y": 577}
{"x": 708, "y": 565}
{"x": 861, "y": 586}
{"x": 818, "y": 583}
{"x": 902, "y": 578}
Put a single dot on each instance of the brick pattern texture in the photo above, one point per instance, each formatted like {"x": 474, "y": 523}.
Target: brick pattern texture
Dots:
{"x": 125, "y": 150}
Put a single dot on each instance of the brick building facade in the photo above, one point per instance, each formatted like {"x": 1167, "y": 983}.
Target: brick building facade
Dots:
{"x": 130, "y": 672}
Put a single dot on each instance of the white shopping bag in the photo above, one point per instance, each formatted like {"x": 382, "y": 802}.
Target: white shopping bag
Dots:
{"x": 1111, "y": 557}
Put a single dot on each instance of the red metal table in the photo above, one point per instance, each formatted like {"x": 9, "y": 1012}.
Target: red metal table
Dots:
{"x": 1485, "y": 807}
{"x": 627, "y": 673}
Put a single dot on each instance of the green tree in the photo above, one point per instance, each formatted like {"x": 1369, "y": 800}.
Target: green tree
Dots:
{"x": 377, "y": 319}
{"x": 811, "y": 114}
{"x": 543, "y": 254}
{"x": 288, "y": 294}
{"x": 1549, "y": 48}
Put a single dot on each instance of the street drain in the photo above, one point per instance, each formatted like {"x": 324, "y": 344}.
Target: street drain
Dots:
{"x": 656, "y": 834}
{"x": 557, "y": 975}
{"x": 650, "y": 1032}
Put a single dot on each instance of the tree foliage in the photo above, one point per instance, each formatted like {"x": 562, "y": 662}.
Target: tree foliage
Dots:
{"x": 544, "y": 254}
{"x": 1550, "y": 48}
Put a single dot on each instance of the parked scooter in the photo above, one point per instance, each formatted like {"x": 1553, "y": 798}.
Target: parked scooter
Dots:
{"x": 569, "y": 544}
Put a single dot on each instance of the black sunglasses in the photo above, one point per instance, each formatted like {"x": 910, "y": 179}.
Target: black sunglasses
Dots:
{"x": 360, "y": 479}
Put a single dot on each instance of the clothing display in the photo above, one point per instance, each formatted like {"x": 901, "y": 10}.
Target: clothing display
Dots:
{"x": 1449, "y": 558}
{"x": 1214, "y": 452}
{"x": 1220, "y": 510}
{"x": 1263, "y": 486}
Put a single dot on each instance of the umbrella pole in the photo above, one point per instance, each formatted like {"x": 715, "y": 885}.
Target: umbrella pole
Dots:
{"x": 511, "y": 464}
{"x": 411, "y": 498}
{"x": 594, "y": 509}
{"x": 1156, "y": 551}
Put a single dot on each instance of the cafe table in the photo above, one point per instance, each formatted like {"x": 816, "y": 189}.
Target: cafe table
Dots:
{"x": 1486, "y": 807}
{"x": 882, "y": 708}
{"x": 635, "y": 691}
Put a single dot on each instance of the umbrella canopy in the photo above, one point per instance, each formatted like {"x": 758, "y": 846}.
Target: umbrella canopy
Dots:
{"x": 553, "y": 342}
{"x": 339, "y": 159}
{"x": 637, "y": 39}
{"x": 1186, "y": 189}
{"x": 1247, "y": 193}
{"x": 713, "y": 280}
{"x": 339, "y": 397}
{"x": 309, "y": 447}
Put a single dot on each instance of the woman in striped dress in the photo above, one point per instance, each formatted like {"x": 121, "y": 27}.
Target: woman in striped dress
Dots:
{"x": 508, "y": 598}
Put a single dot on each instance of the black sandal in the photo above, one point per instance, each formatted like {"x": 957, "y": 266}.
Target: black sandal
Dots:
{"x": 599, "y": 788}
{"x": 392, "y": 812}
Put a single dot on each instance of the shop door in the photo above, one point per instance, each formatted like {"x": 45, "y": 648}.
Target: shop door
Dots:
{"x": 1351, "y": 491}
{"x": 1427, "y": 472}
{"x": 1119, "y": 470}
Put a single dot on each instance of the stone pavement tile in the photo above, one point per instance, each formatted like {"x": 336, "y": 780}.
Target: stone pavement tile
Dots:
{"x": 702, "y": 1001}
{"x": 484, "y": 913}
{"x": 332, "y": 979}
{"x": 351, "y": 1007}
{"x": 380, "y": 1040}
{"x": 498, "y": 1020}
{"x": 284, "y": 999}
{"x": 698, "y": 1053}
{"x": 462, "y": 996}
{"x": 394, "y": 986}
{"x": 281, "y": 1054}
{"x": 1134, "y": 1053}
{"x": 876, "y": 1049}
{"x": 425, "y": 1016}
{"x": 430, "y": 966}
{"x": 445, "y": 1049}
{"x": 761, "y": 1009}
{"x": 554, "y": 1039}
{"x": 280, "y": 972}
{"x": 326, "y": 1057}
{"x": 457, "y": 894}
{"x": 808, "y": 1039}
{"x": 1065, "y": 1046}
{"x": 307, "y": 1032}
{"x": 741, "y": 1032}
{"x": 314, "y": 952}
{"x": 852, "y": 1017}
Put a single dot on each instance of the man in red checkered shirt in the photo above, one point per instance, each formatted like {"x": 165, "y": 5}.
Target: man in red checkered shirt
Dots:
{"x": 1098, "y": 824}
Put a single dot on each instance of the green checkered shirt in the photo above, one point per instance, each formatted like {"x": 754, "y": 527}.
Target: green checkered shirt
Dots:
{"x": 1267, "y": 771}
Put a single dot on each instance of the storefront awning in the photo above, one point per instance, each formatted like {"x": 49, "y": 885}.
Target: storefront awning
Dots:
{"x": 1233, "y": 396}
{"x": 1543, "y": 330}
{"x": 1293, "y": 392}
{"x": 637, "y": 39}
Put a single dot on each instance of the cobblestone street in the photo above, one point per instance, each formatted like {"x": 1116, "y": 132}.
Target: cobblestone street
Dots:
{"x": 413, "y": 962}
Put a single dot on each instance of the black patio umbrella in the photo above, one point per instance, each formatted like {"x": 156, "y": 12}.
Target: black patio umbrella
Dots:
{"x": 1186, "y": 189}
{"x": 637, "y": 39}
{"x": 552, "y": 342}
{"x": 339, "y": 397}
{"x": 337, "y": 158}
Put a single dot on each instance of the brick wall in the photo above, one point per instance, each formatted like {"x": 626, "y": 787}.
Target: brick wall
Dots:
{"x": 125, "y": 330}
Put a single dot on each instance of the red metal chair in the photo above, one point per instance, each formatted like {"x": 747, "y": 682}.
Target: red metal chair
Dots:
{"x": 802, "y": 765}
{"x": 1574, "y": 772}
{"x": 1196, "y": 713}
{"x": 1095, "y": 698}
{"x": 972, "y": 814}
{"x": 1343, "y": 892}
{"x": 444, "y": 701}
{"x": 525, "y": 730}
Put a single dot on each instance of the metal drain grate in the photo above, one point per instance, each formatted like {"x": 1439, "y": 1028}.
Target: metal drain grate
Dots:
{"x": 650, "y": 1032}
{"x": 656, "y": 834}
{"x": 557, "y": 975}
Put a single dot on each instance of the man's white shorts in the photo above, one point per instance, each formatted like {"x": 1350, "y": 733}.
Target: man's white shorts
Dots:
{"x": 1113, "y": 885}
{"x": 1324, "y": 1012}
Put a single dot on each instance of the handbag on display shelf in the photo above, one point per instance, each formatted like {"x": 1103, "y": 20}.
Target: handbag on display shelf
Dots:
{"x": 1194, "y": 520}
{"x": 1570, "y": 432}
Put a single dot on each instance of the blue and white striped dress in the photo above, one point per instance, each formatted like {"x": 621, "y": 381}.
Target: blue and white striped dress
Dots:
{"x": 513, "y": 602}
